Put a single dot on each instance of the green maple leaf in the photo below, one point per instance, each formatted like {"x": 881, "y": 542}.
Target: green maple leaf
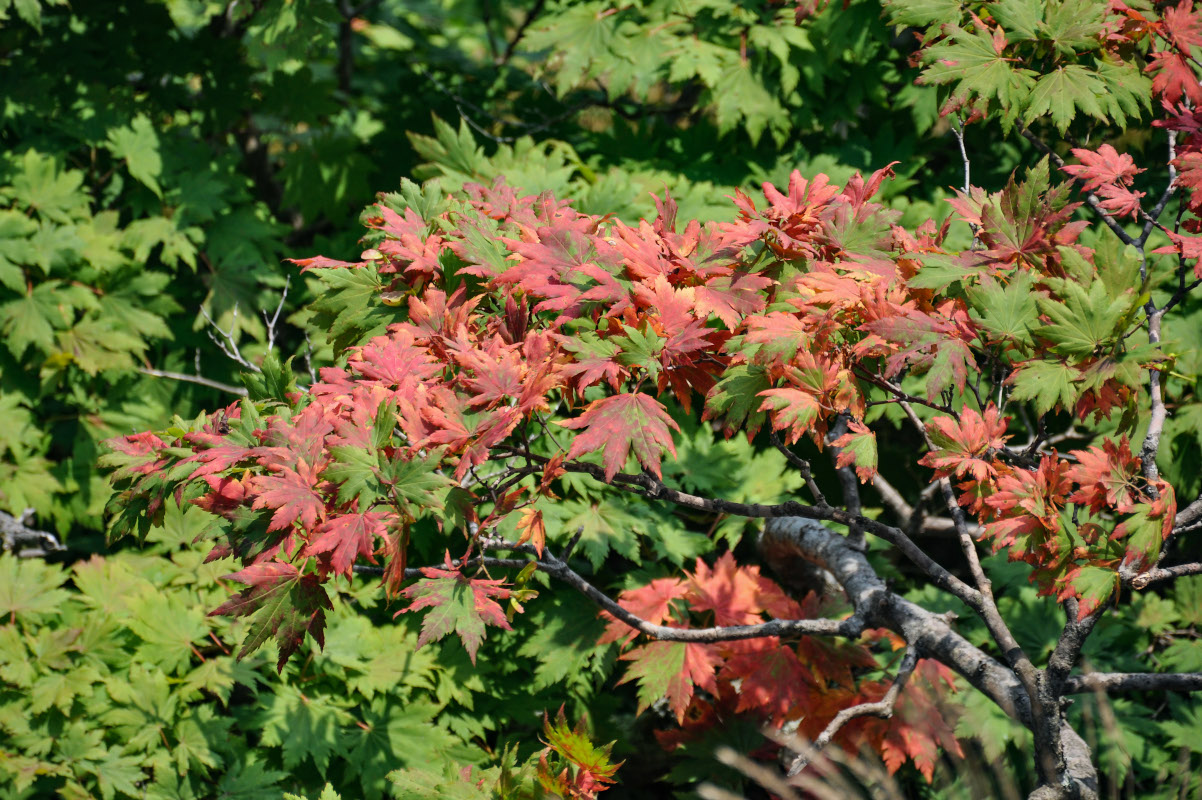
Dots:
{"x": 33, "y": 318}
{"x": 858, "y": 449}
{"x": 1062, "y": 92}
{"x": 1073, "y": 26}
{"x": 1048, "y": 383}
{"x": 304, "y": 727}
{"x": 671, "y": 670}
{"x": 579, "y": 37}
{"x": 640, "y": 349}
{"x": 29, "y": 588}
{"x": 1008, "y": 310}
{"x": 1128, "y": 90}
{"x": 1093, "y": 586}
{"x": 1083, "y": 321}
{"x": 40, "y": 186}
{"x": 924, "y": 13}
{"x": 457, "y": 604}
{"x": 168, "y": 629}
{"x": 735, "y": 399}
{"x": 417, "y": 484}
{"x": 1020, "y": 19}
{"x": 973, "y": 63}
{"x": 138, "y": 144}
{"x": 354, "y": 469}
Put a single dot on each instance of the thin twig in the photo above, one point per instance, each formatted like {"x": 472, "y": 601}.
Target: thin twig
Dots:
{"x": 197, "y": 379}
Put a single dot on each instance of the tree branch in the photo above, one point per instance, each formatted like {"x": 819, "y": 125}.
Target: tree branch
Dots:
{"x": 899, "y": 506}
{"x": 23, "y": 541}
{"x": 1134, "y": 682}
{"x": 197, "y": 379}
{"x": 933, "y": 637}
{"x": 850, "y": 628}
{"x": 648, "y": 486}
{"x": 1166, "y": 574}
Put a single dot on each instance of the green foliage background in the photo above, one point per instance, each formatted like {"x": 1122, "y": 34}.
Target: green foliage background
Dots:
{"x": 161, "y": 157}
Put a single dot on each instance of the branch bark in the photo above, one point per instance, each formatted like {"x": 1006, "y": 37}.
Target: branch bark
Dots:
{"x": 1113, "y": 682}
{"x": 23, "y": 541}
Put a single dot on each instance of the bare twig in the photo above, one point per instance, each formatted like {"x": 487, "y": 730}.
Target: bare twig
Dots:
{"x": 1166, "y": 574}
{"x": 227, "y": 343}
{"x": 802, "y": 466}
{"x": 275, "y": 318}
{"x": 197, "y": 379}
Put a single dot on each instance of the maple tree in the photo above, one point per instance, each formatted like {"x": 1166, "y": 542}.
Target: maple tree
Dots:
{"x": 516, "y": 373}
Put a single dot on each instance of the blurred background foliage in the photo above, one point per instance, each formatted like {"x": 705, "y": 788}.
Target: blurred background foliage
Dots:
{"x": 161, "y": 158}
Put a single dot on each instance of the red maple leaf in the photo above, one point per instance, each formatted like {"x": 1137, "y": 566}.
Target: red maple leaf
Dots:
{"x": 621, "y": 423}
{"x": 1174, "y": 78}
{"x": 1183, "y": 25}
{"x": 1105, "y": 166}
{"x": 1106, "y": 476}
{"x": 732, "y": 297}
{"x": 342, "y": 539}
{"x": 774, "y": 681}
{"x": 735, "y": 594}
{"x": 964, "y": 448}
{"x": 292, "y": 494}
{"x": 321, "y": 262}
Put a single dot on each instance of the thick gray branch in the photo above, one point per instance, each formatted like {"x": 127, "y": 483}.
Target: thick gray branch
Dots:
{"x": 1109, "y": 682}
{"x": 23, "y": 541}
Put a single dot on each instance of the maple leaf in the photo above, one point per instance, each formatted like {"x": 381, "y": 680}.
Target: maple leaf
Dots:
{"x": 1106, "y": 476}
{"x": 291, "y": 493}
{"x": 730, "y": 298}
{"x": 620, "y": 423}
{"x": 1105, "y": 166}
{"x": 672, "y": 670}
{"x": 1188, "y": 247}
{"x": 1027, "y": 504}
{"x": 735, "y": 594}
{"x": 964, "y": 448}
{"x": 458, "y": 603}
{"x": 284, "y": 603}
{"x": 321, "y": 262}
{"x": 591, "y": 768}
{"x": 1183, "y": 25}
{"x": 1174, "y": 78}
{"x": 342, "y": 539}
{"x": 595, "y": 359}
{"x": 857, "y": 448}
{"x": 1092, "y": 586}
{"x": 534, "y": 530}
{"x": 774, "y": 681}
